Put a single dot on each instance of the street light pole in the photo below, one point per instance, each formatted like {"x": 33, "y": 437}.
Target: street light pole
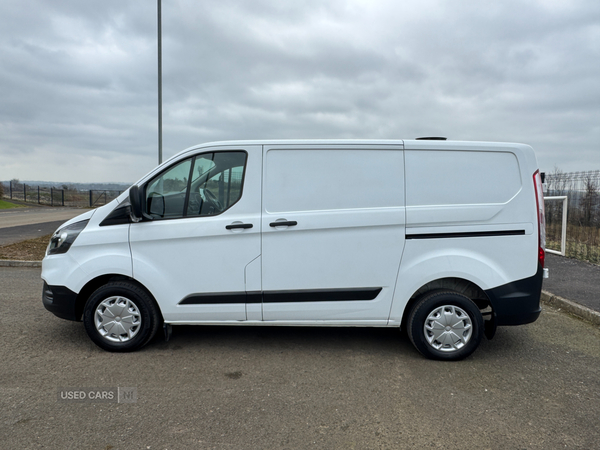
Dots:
{"x": 159, "y": 82}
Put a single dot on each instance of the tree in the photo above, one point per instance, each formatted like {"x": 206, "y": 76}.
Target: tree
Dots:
{"x": 557, "y": 182}
{"x": 590, "y": 201}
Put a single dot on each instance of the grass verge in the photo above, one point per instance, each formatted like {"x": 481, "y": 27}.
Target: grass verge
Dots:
{"x": 8, "y": 205}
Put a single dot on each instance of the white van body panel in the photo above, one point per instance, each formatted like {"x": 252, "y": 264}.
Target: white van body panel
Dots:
{"x": 368, "y": 224}
{"x": 177, "y": 258}
{"x": 253, "y": 280}
{"x": 348, "y": 201}
{"x": 98, "y": 251}
{"x": 477, "y": 260}
{"x": 472, "y": 185}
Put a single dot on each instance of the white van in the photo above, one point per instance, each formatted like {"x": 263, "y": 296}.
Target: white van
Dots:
{"x": 442, "y": 238}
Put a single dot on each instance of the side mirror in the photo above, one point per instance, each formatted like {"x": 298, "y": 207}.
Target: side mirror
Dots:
{"x": 135, "y": 200}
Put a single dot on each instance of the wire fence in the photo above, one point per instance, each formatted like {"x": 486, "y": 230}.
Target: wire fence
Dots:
{"x": 582, "y": 190}
{"x": 51, "y": 196}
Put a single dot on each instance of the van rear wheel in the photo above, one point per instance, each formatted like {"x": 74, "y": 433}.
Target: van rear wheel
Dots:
{"x": 120, "y": 317}
{"x": 445, "y": 325}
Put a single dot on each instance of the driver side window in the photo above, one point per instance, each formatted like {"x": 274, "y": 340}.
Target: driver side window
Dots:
{"x": 205, "y": 185}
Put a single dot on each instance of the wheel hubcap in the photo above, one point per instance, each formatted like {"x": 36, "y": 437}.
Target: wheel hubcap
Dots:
{"x": 448, "y": 328}
{"x": 117, "y": 319}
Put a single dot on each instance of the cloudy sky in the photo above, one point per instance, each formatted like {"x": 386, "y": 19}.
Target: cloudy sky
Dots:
{"x": 78, "y": 79}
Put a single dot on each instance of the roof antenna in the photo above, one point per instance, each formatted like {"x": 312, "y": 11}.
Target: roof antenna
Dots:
{"x": 432, "y": 138}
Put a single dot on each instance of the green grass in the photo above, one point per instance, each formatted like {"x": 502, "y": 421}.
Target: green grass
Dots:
{"x": 8, "y": 205}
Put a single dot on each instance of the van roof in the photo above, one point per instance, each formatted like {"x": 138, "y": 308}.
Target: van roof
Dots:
{"x": 412, "y": 142}
{"x": 524, "y": 152}
{"x": 408, "y": 144}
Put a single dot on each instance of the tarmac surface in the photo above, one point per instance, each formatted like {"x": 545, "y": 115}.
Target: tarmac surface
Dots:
{"x": 20, "y": 224}
{"x": 37, "y": 214}
{"x": 12, "y": 235}
{"x": 535, "y": 386}
{"x": 532, "y": 387}
{"x": 578, "y": 281}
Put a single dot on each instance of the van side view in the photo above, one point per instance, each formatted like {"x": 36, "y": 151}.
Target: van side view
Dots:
{"x": 444, "y": 239}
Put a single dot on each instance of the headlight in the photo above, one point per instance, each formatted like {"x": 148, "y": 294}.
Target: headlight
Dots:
{"x": 62, "y": 239}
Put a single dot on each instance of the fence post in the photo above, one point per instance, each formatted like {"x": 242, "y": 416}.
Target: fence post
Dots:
{"x": 63, "y": 197}
{"x": 51, "y": 196}
{"x": 24, "y": 192}
{"x": 563, "y": 235}
{"x": 38, "y": 195}
{"x": 10, "y": 188}
{"x": 90, "y": 198}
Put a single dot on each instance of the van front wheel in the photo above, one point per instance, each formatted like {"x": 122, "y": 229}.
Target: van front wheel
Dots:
{"x": 120, "y": 317}
{"x": 445, "y": 325}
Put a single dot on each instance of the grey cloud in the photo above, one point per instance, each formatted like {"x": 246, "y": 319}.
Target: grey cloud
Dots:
{"x": 78, "y": 79}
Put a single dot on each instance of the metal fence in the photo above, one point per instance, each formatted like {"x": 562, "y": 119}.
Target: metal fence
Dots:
{"x": 582, "y": 190}
{"x": 52, "y": 196}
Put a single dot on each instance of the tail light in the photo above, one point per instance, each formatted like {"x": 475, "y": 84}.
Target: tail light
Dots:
{"x": 541, "y": 216}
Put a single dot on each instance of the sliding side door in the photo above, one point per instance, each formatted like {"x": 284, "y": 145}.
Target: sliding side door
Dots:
{"x": 333, "y": 232}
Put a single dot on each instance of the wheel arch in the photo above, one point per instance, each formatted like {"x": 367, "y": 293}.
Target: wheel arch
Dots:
{"x": 90, "y": 287}
{"x": 461, "y": 286}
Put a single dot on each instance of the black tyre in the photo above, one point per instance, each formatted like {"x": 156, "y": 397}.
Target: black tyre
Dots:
{"x": 445, "y": 325}
{"x": 121, "y": 317}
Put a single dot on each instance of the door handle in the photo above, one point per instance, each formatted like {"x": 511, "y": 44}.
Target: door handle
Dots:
{"x": 289, "y": 223}
{"x": 238, "y": 225}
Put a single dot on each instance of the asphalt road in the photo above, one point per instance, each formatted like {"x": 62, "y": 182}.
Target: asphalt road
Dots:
{"x": 10, "y": 235}
{"x": 38, "y": 214}
{"x": 20, "y": 224}
{"x": 532, "y": 387}
{"x": 578, "y": 281}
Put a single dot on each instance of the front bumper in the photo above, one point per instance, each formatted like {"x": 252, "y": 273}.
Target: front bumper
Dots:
{"x": 60, "y": 301}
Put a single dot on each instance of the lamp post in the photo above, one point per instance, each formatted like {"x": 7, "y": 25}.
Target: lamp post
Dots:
{"x": 159, "y": 82}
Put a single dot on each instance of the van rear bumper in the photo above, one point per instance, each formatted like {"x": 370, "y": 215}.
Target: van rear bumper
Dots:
{"x": 60, "y": 301}
{"x": 517, "y": 303}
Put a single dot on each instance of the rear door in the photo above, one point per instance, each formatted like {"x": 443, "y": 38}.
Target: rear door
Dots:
{"x": 333, "y": 232}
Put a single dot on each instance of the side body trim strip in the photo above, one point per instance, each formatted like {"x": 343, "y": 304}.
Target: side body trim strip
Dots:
{"x": 467, "y": 234}
{"x": 214, "y": 298}
{"x": 314, "y": 295}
